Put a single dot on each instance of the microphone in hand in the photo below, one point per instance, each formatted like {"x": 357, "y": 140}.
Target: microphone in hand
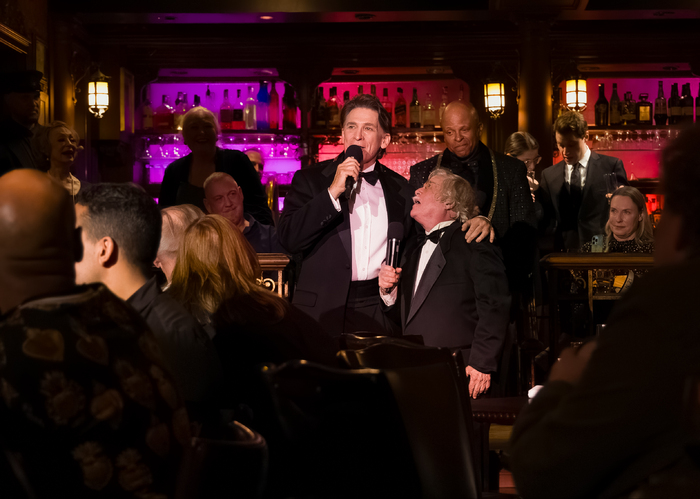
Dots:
{"x": 354, "y": 151}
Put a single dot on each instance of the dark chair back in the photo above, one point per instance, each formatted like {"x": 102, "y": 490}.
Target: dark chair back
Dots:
{"x": 429, "y": 386}
{"x": 363, "y": 339}
{"x": 344, "y": 436}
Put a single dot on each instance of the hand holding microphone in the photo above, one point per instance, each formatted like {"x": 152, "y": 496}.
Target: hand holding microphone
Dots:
{"x": 389, "y": 274}
{"x": 348, "y": 172}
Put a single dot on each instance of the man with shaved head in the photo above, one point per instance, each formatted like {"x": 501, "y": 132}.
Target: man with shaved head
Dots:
{"x": 87, "y": 407}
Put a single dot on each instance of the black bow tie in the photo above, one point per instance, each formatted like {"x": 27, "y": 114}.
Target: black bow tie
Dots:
{"x": 433, "y": 237}
{"x": 370, "y": 177}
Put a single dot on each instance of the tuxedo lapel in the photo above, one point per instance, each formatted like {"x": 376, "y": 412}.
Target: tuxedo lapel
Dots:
{"x": 344, "y": 227}
{"x": 591, "y": 173}
{"x": 395, "y": 203}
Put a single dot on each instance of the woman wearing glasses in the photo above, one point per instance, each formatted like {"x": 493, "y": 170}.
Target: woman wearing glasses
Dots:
{"x": 523, "y": 146}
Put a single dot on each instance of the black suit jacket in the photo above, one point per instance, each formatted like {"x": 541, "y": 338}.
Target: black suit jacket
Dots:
{"x": 462, "y": 299}
{"x": 572, "y": 229}
{"x": 319, "y": 236}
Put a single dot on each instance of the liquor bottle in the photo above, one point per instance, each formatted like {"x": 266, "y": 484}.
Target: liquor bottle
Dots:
{"x": 629, "y": 110}
{"x": 687, "y": 104}
{"x": 387, "y": 103}
{"x": 697, "y": 105}
{"x": 249, "y": 111}
{"x": 400, "y": 109}
{"x": 601, "y": 107}
{"x": 163, "y": 119}
{"x": 615, "y": 107}
{"x": 289, "y": 113}
{"x": 461, "y": 93}
{"x": 359, "y": 90}
{"x": 660, "y": 111}
{"x": 674, "y": 106}
{"x": 238, "y": 105}
{"x": 333, "y": 109}
{"x": 226, "y": 113}
{"x": 180, "y": 111}
{"x": 658, "y": 212}
{"x": 415, "y": 111}
{"x": 346, "y": 96}
{"x": 209, "y": 99}
{"x": 644, "y": 112}
{"x": 178, "y": 99}
{"x": 443, "y": 106}
{"x": 147, "y": 115}
{"x": 429, "y": 113}
{"x": 262, "y": 109}
{"x": 274, "y": 108}
{"x": 373, "y": 89}
{"x": 197, "y": 102}
{"x": 319, "y": 115}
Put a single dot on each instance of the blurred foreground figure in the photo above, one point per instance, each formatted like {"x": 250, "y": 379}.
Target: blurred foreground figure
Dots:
{"x": 610, "y": 415}
{"x": 87, "y": 406}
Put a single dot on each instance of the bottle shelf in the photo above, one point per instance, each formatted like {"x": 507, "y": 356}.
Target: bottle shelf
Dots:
{"x": 262, "y": 133}
{"x": 420, "y": 132}
{"x": 632, "y": 128}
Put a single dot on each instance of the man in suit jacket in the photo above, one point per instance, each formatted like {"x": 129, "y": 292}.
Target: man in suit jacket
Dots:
{"x": 453, "y": 293}
{"x": 341, "y": 241}
{"x": 573, "y": 192}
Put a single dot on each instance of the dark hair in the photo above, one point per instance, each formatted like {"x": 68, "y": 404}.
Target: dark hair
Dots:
{"x": 368, "y": 101}
{"x": 680, "y": 177}
{"x": 519, "y": 143}
{"x": 127, "y": 214}
{"x": 571, "y": 122}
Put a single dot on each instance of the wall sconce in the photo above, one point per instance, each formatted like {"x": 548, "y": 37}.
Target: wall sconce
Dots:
{"x": 494, "y": 98}
{"x": 576, "y": 92}
{"x": 98, "y": 93}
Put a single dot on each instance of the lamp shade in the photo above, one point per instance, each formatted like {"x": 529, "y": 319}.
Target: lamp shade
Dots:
{"x": 576, "y": 94}
{"x": 494, "y": 98}
{"x": 98, "y": 94}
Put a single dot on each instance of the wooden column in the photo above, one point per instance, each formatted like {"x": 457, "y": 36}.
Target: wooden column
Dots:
{"x": 535, "y": 107}
{"x": 61, "y": 81}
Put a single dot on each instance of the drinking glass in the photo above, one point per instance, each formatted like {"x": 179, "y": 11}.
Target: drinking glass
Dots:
{"x": 610, "y": 182}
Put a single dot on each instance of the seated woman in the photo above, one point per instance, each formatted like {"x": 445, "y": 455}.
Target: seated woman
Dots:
{"x": 175, "y": 220}
{"x": 215, "y": 278}
{"x": 183, "y": 181}
{"x": 58, "y": 144}
{"x": 628, "y": 229}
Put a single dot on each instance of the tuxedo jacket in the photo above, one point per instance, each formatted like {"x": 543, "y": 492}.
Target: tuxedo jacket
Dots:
{"x": 319, "y": 237}
{"x": 462, "y": 299}
{"x": 572, "y": 228}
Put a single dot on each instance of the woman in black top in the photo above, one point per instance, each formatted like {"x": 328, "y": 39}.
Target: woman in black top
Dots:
{"x": 183, "y": 182}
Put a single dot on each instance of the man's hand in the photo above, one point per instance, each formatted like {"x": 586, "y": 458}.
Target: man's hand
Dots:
{"x": 478, "y": 382}
{"x": 388, "y": 278}
{"x": 348, "y": 168}
{"x": 478, "y": 228}
{"x": 572, "y": 363}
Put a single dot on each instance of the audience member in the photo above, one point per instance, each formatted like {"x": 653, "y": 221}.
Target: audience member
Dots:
{"x": 183, "y": 182}
{"x": 523, "y": 146}
{"x": 58, "y": 143}
{"x": 609, "y": 416}
{"x": 453, "y": 293}
{"x": 121, "y": 229}
{"x": 216, "y": 279}
{"x": 628, "y": 229}
{"x": 222, "y": 196}
{"x": 256, "y": 158}
{"x": 175, "y": 220}
{"x": 20, "y": 93}
{"x": 573, "y": 192}
{"x": 87, "y": 407}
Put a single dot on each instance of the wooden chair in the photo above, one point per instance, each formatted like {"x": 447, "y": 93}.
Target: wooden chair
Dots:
{"x": 343, "y": 434}
{"x": 428, "y": 384}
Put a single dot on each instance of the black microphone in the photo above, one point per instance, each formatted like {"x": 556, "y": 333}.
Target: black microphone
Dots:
{"x": 354, "y": 151}
{"x": 393, "y": 240}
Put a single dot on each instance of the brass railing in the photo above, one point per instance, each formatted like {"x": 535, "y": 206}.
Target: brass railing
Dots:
{"x": 277, "y": 273}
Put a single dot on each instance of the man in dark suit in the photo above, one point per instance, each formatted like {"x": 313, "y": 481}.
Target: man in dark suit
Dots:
{"x": 573, "y": 192}
{"x": 453, "y": 293}
{"x": 341, "y": 241}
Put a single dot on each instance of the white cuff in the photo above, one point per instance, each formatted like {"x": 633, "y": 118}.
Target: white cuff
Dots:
{"x": 336, "y": 203}
{"x": 389, "y": 299}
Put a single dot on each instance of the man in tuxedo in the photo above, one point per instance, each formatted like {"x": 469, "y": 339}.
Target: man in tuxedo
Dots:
{"x": 453, "y": 293}
{"x": 573, "y": 192}
{"x": 341, "y": 241}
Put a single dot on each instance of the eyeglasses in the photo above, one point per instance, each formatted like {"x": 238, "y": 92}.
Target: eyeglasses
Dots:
{"x": 533, "y": 162}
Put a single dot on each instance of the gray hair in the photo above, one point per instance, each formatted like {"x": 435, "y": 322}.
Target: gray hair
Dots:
{"x": 42, "y": 142}
{"x": 201, "y": 112}
{"x": 215, "y": 177}
{"x": 175, "y": 220}
{"x": 456, "y": 192}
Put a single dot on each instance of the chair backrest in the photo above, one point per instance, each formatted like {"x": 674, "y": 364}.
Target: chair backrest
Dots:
{"x": 344, "y": 433}
{"x": 363, "y": 339}
{"x": 232, "y": 462}
{"x": 429, "y": 386}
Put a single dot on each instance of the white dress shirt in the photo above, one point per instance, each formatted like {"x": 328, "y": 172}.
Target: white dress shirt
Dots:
{"x": 369, "y": 224}
{"x": 584, "y": 168}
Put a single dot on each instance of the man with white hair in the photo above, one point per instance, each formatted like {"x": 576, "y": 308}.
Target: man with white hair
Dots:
{"x": 453, "y": 293}
{"x": 223, "y": 196}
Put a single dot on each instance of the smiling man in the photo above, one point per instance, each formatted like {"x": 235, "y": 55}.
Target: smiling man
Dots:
{"x": 573, "y": 192}
{"x": 341, "y": 240}
{"x": 453, "y": 293}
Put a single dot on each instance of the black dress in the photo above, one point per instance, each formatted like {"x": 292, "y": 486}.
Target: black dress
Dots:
{"x": 176, "y": 190}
